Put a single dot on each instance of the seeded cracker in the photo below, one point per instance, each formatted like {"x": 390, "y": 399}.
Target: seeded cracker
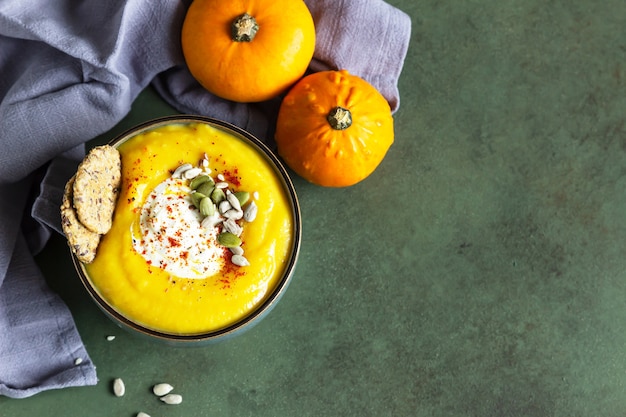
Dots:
{"x": 82, "y": 241}
{"x": 96, "y": 188}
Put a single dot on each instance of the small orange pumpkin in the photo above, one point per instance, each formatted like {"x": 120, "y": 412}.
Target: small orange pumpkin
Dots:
{"x": 334, "y": 128}
{"x": 248, "y": 51}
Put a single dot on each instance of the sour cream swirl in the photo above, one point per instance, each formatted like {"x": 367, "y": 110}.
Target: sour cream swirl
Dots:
{"x": 170, "y": 234}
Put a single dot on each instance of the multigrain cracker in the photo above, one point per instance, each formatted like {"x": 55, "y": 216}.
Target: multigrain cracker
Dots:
{"x": 96, "y": 188}
{"x": 82, "y": 241}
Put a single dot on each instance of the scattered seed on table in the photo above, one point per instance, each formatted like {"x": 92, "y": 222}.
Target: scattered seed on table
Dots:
{"x": 162, "y": 389}
{"x": 118, "y": 387}
{"x": 78, "y": 361}
{"x": 109, "y": 338}
{"x": 172, "y": 399}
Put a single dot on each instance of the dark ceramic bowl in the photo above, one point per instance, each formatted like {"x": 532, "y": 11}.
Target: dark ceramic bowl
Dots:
{"x": 269, "y": 301}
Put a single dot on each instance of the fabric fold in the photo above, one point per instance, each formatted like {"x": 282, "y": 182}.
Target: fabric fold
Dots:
{"x": 70, "y": 73}
{"x": 28, "y": 325}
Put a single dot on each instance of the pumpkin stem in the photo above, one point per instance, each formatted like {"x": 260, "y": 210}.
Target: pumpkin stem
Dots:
{"x": 244, "y": 28}
{"x": 339, "y": 118}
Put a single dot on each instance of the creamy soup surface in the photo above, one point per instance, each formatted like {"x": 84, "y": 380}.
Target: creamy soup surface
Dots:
{"x": 163, "y": 267}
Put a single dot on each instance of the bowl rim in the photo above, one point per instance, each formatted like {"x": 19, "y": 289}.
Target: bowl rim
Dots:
{"x": 271, "y": 299}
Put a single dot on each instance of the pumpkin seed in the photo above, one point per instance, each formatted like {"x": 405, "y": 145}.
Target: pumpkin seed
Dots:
{"x": 228, "y": 239}
{"x": 250, "y": 212}
{"x": 199, "y": 180}
{"x": 118, "y": 387}
{"x": 207, "y": 208}
{"x": 205, "y": 188}
{"x": 172, "y": 399}
{"x": 217, "y": 195}
{"x": 196, "y": 198}
{"x": 162, "y": 389}
{"x": 243, "y": 197}
{"x": 239, "y": 260}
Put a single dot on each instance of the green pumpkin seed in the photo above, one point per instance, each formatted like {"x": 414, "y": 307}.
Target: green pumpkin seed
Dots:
{"x": 196, "y": 198}
{"x": 217, "y": 195}
{"x": 205, "y": 188}
{"x": 242, "y": 196}
{"x": 228, "y": 240}
{"x": 207, "y": 208}
{"x": 199, "y": 180}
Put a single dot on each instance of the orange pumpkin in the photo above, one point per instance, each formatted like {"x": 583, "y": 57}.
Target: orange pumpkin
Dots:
{"x": 334, "y": 128}
{"x": 245, "y": 50}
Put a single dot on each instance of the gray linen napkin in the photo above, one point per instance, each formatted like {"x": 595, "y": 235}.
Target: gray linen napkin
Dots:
{"x": 70, "y": 71}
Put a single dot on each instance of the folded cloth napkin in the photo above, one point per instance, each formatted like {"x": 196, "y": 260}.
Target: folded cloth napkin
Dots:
{"x": 71, "y": 71}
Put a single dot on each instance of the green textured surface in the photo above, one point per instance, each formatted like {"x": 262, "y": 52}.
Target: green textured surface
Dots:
{"x": 479, "y": 272}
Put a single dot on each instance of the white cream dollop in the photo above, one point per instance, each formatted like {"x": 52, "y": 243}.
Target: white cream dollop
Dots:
{"x": 171, "y": 235}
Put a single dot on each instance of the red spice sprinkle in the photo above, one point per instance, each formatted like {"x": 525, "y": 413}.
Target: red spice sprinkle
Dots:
{"x": 232, "y": 177}
{"x": 173, "y": 242}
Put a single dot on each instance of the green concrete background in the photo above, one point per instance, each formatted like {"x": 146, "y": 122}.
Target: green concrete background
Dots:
{"x": 479, "y": 272}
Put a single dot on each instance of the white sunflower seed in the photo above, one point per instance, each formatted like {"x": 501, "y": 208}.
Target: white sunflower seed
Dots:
{"x": 230, "y": 225}
{"x": 179, "y": 171}
{"x": 162, "y": 389}
{"x": 78, "y": 361}
{"x": 110, "y": 338}
{"x": 250, "y": 212}
{"x": 220, "y": 177}
{"x": 142, "y": 414}
{"x": 172, "y": 399}
{"x": 237, "y": 250}
{"x": 233, "y": 214}
{"x": 210, "y": 222}
{"x": 221, "y": 184}
{"x": 233, "y": 200}
{"x": 118, "y": 387}
{"x": 191, "y": 173}
{"x": 224, "y": 206}
{"x": 239, "y": 260}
